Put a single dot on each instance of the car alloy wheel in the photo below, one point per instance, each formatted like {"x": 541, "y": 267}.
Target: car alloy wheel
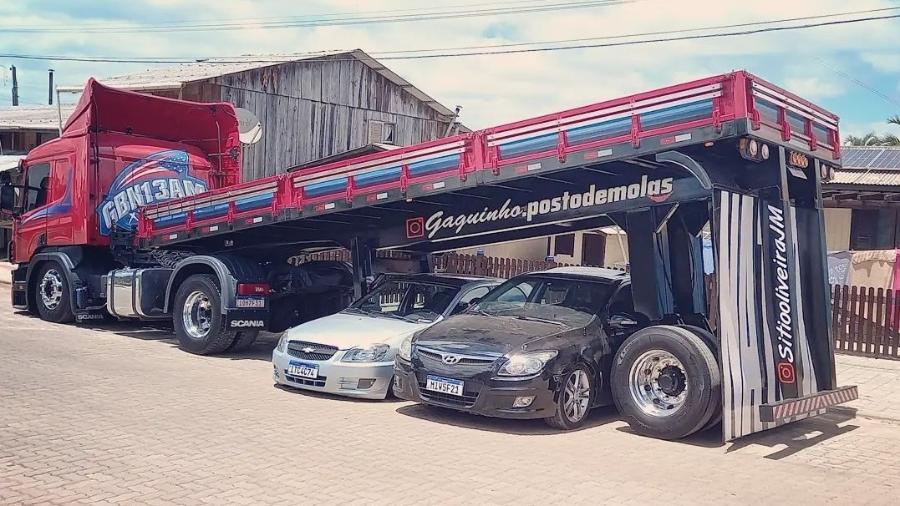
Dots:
{"x": 51, "y": 289}
{"x": 577, "y": 396}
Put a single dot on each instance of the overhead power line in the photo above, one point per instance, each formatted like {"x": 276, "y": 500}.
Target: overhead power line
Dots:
{"x": 448, "y": 7}
{"x": 307, "y": 23}
{"x": 226, "y": 21}
{"x": 481, "y": 50}
{"x": 891, "y": 99}
{"x": 661, "y": 32}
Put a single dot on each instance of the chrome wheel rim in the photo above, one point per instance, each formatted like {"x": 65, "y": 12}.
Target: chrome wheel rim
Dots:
{"x": 51, "y": 289}
{"x": 577, "y": 396}
{"x": 196, "y": 314}
{"x": 658, "y": 383}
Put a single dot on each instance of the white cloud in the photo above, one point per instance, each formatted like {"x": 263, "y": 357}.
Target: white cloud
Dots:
{"x": 814, "y": 87}
{"x": 496, "y": 89}
{"x": 878, "y": 127}
{"x": 887, "y": 62}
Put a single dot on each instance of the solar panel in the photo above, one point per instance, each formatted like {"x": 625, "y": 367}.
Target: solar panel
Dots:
{"x": 859, "y": 157}
{"x": 889, "y": 159}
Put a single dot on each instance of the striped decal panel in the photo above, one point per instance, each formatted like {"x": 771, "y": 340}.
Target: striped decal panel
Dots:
{"x": 761, "y": 320}
{"x": 377, "y": 177}
{"x": 325, "y": 188}
{"x": 782, "y": 411}
{"x": 609, "y": 128}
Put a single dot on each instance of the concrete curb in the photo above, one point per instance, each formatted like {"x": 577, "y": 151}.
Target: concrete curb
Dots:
{"x": 6, "y": 273}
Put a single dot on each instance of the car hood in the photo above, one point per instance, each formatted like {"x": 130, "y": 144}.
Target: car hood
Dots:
{"x": 346, "y": 330}
{"x": 476, "y": 333}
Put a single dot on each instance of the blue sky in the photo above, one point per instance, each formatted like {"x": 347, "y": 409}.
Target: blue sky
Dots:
{"x": 820, "y": 64}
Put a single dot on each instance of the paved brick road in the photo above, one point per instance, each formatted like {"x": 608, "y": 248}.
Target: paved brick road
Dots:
{"x": 121, "y": 415}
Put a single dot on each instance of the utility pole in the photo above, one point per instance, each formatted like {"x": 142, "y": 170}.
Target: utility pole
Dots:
{"x": 15, "y": 86}
{"x": 50, "y": 88}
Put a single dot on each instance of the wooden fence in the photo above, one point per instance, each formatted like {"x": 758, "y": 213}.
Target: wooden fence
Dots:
{"x": 455, "y": 263}
{"x": 864, "y": 321}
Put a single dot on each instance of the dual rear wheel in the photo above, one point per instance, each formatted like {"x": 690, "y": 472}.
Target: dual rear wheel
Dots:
{"x": 666, "y": 381}
{"x": 198, "y": 321}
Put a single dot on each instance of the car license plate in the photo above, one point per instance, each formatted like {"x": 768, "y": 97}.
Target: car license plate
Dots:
{"x": 444, "y": 385}
{"x": 303, "y": 370}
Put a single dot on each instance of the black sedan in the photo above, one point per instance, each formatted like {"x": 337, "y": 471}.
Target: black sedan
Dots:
{"x": 538, "y": 346}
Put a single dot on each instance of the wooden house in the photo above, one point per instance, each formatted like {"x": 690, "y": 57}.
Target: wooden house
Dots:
{"x": 311, "y": 107}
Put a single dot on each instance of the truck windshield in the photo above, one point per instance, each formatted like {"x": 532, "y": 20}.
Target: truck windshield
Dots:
{"x": 570, "y": 302}
{"x": 413, "y": 301}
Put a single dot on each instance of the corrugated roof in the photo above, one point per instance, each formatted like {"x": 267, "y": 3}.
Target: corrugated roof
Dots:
{"x": 177, "y": 76}
{"x": 867, "y": 166}
{"x": 32, "y": 117}
{"x": 863, "y": 177}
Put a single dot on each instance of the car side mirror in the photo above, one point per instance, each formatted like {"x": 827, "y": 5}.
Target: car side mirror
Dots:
{"x": 462, "y": 306}
{"x": 622, "y": 322}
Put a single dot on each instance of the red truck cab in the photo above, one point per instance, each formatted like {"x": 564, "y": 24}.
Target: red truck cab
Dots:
{"x": 119, "y": 151}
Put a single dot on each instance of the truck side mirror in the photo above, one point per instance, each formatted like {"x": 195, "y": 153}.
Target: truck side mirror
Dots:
{"x": 7, "y": 198}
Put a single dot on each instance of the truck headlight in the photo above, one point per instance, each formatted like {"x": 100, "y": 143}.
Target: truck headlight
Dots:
{"x": 371, "y": 353}
{"x": 282, "y": 341}
{"x": 406, "y": 349}
{"x": 526, "y": 364}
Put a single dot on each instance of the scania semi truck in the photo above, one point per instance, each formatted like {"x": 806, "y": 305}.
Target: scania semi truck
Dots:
{"x": 137, "y": 211}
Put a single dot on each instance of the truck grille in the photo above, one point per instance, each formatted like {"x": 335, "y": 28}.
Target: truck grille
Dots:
{"x": 466, "y": 400}
{"x": 310, "y": 351}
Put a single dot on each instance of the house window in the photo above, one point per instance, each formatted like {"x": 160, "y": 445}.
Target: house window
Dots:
{"x": 872, "y": 229}
{"x": 381, "y": 132}
{"x": 565, "y": 245}
{"x": 593, "y": 249}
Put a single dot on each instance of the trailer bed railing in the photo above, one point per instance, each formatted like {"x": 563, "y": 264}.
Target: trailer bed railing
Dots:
{"x": 666, "y": 115}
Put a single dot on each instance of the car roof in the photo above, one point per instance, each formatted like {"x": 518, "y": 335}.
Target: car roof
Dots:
{"x": 445, "y": 278}
{"x": 588, "y": 272}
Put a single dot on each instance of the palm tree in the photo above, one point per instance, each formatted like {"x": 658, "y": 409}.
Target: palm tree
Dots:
{"x": 890, "y": 140}
{"x": 894, "y": 120}
{"x": 870, "y": 139}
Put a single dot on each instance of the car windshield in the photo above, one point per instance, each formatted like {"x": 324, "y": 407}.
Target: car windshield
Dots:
{"x": 571, "y": 302}
{"x": 409, "y": 300}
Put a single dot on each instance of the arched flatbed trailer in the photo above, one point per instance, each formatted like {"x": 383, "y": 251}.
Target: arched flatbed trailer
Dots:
{"x": 732, "y": 154}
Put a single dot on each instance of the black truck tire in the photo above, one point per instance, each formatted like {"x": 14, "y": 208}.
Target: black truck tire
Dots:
{"x": 666, "y": 382}
{"x": 51, "y": 294}
{"x": 574, "y": 400}
{"x": 713, "y": 342}
{"x": 243, "y": 340}
{"x": 197, "y": 316}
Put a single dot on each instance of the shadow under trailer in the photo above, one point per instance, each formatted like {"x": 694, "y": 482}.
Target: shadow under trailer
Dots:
{"x": 137, "y": 211}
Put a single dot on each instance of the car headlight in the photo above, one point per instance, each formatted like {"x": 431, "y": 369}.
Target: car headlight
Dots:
{"x": 282, "y": 342}
{"x": 371, "y": 353}
{"x": 406, "y": 348}
{"x": 526, "y": 364}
